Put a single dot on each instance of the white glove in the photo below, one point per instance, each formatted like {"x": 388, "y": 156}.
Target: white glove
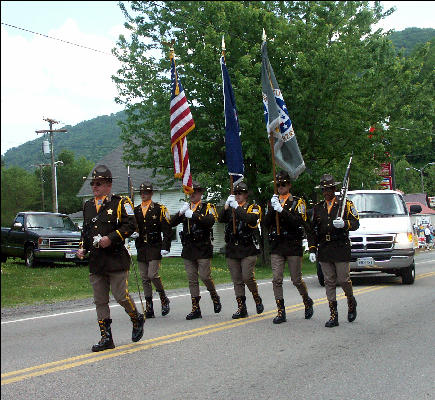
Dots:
{"x": 134, "y": 235}
{"x": 274, "y": 200}
{"x": 234, "y": 204}
{"x": 184, "y": 208}
{"x": 313, "y": 257}
{"x": 338, "y": 222}
{"x": 188, "y": 213}
{"x": 164, "y": 252}
{"x": 277, "y": 207}
{"x": 231, "y": 198}
{"x": 96, "y": 242}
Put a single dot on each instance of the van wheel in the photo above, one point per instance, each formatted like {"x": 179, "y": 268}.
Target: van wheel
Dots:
{"x": 29, "y": 255}
{"x": 408, "y": 275}
{"x": 320, "y": 275}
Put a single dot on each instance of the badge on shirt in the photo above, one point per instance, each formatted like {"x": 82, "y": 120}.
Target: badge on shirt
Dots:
{"x": 128, "y": 209}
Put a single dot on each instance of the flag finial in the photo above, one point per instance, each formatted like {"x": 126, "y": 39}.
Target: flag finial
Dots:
{"x": 264, "y": 35}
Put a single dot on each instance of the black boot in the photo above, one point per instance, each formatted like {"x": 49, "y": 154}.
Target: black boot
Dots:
{"x": 196, "y": 311}
{"x": 333, "y": 320}
{"x": 216, "y": 302}
{"x": 281, "y": 312}
{"x": 165, "y": 303}
{"x": 149, "y": 308}
{"x": 106, "y": 341}
{"x": 258, "y": 302}
{"x": 351, "y": 313}
{"x": 241, "y": 312}
{"x": 308, "y": 303}
{"x": 138, "y": 320}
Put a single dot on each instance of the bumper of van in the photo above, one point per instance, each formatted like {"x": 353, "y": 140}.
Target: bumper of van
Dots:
{"x": 396, "y": 259}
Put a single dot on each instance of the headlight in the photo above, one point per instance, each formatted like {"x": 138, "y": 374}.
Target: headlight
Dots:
{"x": 43, "y": 242}
{"x": 404, "y": 238}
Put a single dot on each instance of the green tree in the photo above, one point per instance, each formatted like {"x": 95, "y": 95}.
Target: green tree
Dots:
{"x": 19, "y": 192}
{"x": 338, "y": 78}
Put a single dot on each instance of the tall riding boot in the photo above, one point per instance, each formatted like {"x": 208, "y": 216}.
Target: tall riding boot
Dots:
{"x": 165, "y": 303}
{"x": 333, "y": 320}
{"x": 138, "y": 321}
{"x": 241, "y": 312}
{"x": 106, "y": 341}
{"x": 216, "y": 301}
{"x": 258, "y": 302}
{"x": 149, "y": 308}
{"x": 196, "y": 311}
{"x": 351, "y": 313}
{"x": 281, "y": 312}
{"x": 308, "y": 303}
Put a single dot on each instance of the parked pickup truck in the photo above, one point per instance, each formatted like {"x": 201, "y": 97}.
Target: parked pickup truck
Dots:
{"x": 41, "y": 236}
{"x": 384, "y": 240}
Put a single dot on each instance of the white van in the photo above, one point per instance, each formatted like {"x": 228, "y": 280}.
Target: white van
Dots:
{"x": 384, "y": 240}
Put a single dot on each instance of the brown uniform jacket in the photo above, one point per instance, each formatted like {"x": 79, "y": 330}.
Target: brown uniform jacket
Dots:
{"x": 197, "y": 232}
{"x": 151, "y": 226}
{"x": 115, "y": 219}
{"x": 244, "y": 242}
{"x": 292, "y": 222}
{"x": 332, "y": 244}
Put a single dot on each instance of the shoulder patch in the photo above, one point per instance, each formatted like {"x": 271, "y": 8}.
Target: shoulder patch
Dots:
{"x": 128, "y": 208}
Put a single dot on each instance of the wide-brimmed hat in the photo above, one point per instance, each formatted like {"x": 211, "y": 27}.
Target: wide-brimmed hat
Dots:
{"x": 146, "y": 187}
{"x": 327, "y": 181}
{"x": 197, "y": 187}
{"x": 101, "y": 172}
{"x": 241, "y": 187}
{"x": 283, "y": 177}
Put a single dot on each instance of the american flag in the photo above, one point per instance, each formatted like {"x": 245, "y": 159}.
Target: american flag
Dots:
{"x": 181, "y": 124}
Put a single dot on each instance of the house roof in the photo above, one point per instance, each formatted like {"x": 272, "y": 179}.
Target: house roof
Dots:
{"x": 424, "y": 209}
{"x": 416, "y": 197}
{"x": 114, "y": 162}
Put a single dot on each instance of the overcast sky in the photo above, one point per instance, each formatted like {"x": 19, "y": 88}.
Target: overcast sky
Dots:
{"x": 42, "y": 77}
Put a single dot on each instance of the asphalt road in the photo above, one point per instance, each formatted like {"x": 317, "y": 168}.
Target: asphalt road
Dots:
{"x": 388, "y": 352}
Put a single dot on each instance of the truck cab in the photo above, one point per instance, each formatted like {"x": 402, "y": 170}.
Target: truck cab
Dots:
{"x": 384, "y": 240}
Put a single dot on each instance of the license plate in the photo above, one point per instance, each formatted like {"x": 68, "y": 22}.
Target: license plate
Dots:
{"x": 365, "y": 261}
{"x": 70, "y": 255}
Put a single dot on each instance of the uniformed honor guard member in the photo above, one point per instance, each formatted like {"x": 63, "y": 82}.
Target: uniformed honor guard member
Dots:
{"x": 152, "y": 219}
{"x": 198, "y": 219}
{"x": 286, "y": 245}
{"x": 108, "y": 221}
{"x": 329, "y": 238}
{"x": 242, "y": 246}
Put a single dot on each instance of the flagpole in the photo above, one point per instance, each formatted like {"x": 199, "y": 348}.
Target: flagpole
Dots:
{"x": 231, "y": 177}
{"x": 272, "y": 149}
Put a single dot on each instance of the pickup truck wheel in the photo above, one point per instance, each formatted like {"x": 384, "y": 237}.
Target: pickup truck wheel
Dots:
{"x": 29, "y": 257}
{"x": 320, "y": 275}
{"x": 408, "y": 275}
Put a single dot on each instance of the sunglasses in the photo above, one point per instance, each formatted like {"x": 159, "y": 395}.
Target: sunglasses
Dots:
{"x": 96, "y": 183}
{"x": 282, "y": 184}
{"x": 239, "y": 192}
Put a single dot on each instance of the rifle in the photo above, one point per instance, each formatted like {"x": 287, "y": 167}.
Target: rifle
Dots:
{"x": 343, "y": 191}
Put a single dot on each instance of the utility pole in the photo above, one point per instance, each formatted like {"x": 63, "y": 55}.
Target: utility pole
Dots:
{"x": 42, "y": 182}
{"x": 53, "y": 164}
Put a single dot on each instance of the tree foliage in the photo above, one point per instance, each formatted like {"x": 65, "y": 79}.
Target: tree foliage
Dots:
{"x": 337, "y": 76}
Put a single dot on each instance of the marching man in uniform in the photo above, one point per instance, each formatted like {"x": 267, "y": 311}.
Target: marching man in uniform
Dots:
{"x": 198, "y": 219}
{"x": 286, "y": 245}
{"x": 108, "y": 219}
{"x": 152, "y": 219}
{"x": 329, "y": 238}
{"x": 242, "y": 246}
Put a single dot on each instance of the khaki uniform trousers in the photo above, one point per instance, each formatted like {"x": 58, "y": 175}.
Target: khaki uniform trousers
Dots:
{"x": 242, "y": 273}
{"x": 336, "y": 273}
{"x": 149, "y": 272}
{"x": 295, "y": 267}
{"x": 118, "y": 283}
{"x": 202, "y": 268}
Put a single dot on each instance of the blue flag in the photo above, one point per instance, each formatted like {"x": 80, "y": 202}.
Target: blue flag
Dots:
{"x": 232, "y": 130}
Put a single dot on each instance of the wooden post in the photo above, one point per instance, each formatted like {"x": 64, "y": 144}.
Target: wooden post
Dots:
{"x": 275, "y": 188}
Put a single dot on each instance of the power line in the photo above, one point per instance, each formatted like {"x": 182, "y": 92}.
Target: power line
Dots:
{"x": 60, "y": 40}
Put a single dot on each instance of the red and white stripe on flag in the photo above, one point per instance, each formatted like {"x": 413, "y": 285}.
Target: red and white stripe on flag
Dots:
{"x": 181, "y": 124}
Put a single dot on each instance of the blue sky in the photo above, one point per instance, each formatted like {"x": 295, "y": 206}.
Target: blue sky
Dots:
{"x": 42, "y": 78}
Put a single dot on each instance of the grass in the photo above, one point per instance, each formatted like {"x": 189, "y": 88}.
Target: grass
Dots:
{"x": 64, "y": 281}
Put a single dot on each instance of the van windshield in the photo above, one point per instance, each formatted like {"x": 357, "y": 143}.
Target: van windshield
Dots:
{"x": 378, "y": 203}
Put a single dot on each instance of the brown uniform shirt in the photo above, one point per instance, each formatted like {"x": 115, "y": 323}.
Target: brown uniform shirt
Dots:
{"x": 114, "y": 219}
{"x": 197, "y": 232}
{"x": 244, "y": 242}
{"x": 332, "y": 244}
{"x": 151, "y": 226}
{"x": 292, "y": 222}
